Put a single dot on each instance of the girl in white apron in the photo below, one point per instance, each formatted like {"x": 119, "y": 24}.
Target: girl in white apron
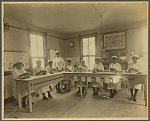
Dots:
{"x": 59, "y": 65}
{"x": 19, "y": 72}
{"x": 50, "y": 70}
{"x": 114, "y": 67}
{"x": 82, "y": 68}
{"x": 96, "y": 82}
{"x": 69, "y": 68}
{"x": 134, "y": 67}
{"x": 38, "y": 70}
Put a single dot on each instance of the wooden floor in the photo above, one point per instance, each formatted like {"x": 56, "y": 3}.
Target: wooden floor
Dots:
{"x": 71, "y": 105}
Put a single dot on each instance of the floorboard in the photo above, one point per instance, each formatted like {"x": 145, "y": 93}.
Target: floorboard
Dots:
{"x": 70, "y": 105}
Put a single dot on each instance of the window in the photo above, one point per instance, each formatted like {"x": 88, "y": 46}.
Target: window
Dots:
{"x": 144, "y": 39}
{"x": 88, "y": 45}
{"x": 37, "y": 49}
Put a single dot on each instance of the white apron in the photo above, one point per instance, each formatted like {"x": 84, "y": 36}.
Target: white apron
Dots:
{"x": 69, "y": 68}
{"x": 82, "y": 79}
{"x": 132, "y": 85}
{"x": 59, "y": 63}
{"x": 115, "y": 82}
{"x": 97, "y": 81}
{"x": 16, "y": 73}
{"x": 43, "y": 89}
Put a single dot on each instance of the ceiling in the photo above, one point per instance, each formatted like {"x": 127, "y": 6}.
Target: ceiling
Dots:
{"x": 65, "y": 17}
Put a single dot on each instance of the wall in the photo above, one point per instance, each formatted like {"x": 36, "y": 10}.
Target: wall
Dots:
{"x": 15, "y": 35}
{"x": 74, "y": 52}
{"x": 133, "y": 40}
{"x": 17, "y": 40}
{"x": 55, "y": 43}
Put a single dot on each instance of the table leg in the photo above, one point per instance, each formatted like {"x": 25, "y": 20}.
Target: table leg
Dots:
{"x": 145, "y": 92}
{"x": 70, "y": 84}
{"x": 19, "y": 98}
{"x": 81, "y": 88}
{"x": 86, "y": 85}
{"x": 61, "y": 84}
{"x": 30, "y": 99}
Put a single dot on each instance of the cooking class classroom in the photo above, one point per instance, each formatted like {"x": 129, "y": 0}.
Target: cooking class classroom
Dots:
{"x": 75, "y": 60}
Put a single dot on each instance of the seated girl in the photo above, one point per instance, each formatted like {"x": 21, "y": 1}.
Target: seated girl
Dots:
{"x": 114, "y": 67}
{"x": 50, "y": 68}
{"x": 82, "y": 68}
{"x": 98, "y": 67}
{"x": 38, "y": 71}
{"x": 134, "y": 67}
{"x": 19, "y": 73}
{"x": 69, "y": 68}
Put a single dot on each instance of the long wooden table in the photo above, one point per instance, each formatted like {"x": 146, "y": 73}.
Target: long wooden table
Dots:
{"x": 36, "y": 82}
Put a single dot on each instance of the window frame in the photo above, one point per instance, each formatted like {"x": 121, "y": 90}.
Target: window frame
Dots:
{"x": 81, "y": 46}
{"x": 44, "y": 48}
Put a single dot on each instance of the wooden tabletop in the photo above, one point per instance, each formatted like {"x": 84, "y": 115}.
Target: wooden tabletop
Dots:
{"x": 122, "y": 73}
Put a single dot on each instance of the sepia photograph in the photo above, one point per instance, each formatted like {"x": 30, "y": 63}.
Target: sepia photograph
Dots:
{"x": 75, "y": 60}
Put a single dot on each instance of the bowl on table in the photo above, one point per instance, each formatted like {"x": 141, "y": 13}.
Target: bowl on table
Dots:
{"x": 43, "y": 73}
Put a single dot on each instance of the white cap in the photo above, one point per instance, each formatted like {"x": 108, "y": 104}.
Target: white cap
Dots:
{"x": 135, "y": 56}
{"x": 18, "y": 61}
{"x": 57, "y": 52}
{"x": 98, "y": 58}
{"x": 49, "y": 61}
{"x": 68, "y": 59}
{"x": 114, "y": 57}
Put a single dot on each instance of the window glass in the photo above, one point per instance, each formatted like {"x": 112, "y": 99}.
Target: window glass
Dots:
{"x": 91, "y": 62}
{"x": 86, "y": 59}
{"x": 37, "y": 49}
{"x": 92, "y": 46}
{"x": 40, "y": 46}
{"x": 89, "y": 51}
{"x": 33, "y": 45}
{"x": 85, "y": 46}
{"x": 34, "y": 62}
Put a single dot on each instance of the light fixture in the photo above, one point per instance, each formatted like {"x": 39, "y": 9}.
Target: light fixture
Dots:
{"x": 99, "y": 15}
{"x": 101, "y": 24}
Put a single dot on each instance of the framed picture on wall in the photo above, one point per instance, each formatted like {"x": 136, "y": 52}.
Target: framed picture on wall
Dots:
{"x": 51, "y": 54}
{"x": 114, "y": 41}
